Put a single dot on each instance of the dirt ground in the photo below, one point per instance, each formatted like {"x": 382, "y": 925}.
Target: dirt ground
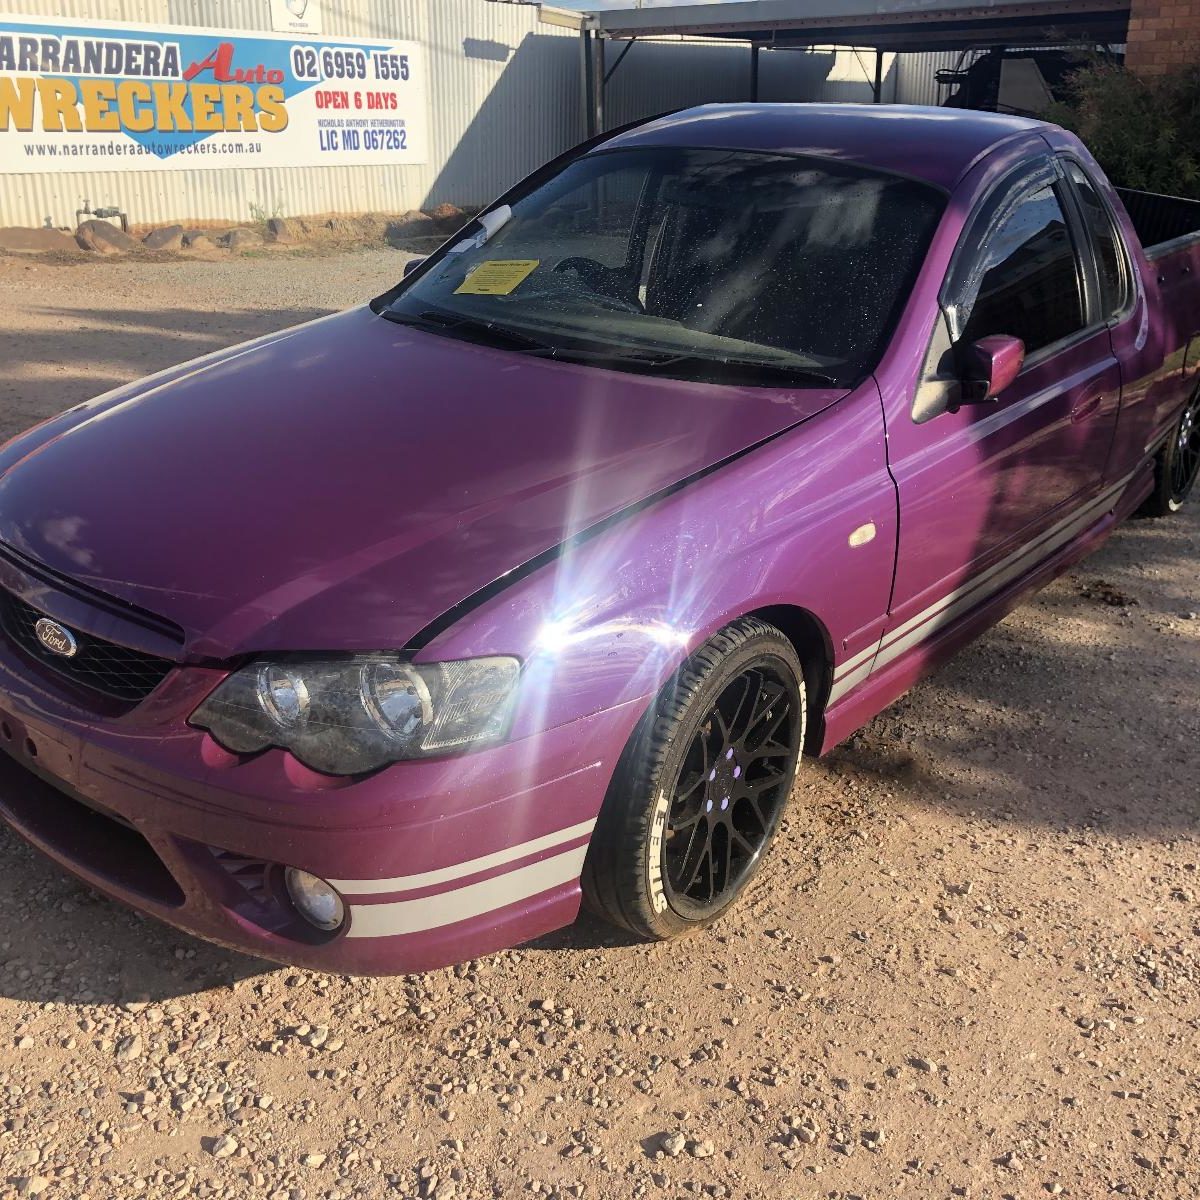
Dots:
{"x": 971, "y": 967}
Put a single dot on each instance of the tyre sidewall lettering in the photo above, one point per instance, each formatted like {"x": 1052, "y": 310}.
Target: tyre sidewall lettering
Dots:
{"x": 654, "y": 864}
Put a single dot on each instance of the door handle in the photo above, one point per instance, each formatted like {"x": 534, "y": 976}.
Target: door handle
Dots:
{"x": 1085, "y": 408}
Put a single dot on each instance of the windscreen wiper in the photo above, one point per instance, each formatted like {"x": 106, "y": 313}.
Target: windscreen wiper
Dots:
{"x": 473, "y": 328}
{"x": 753, "y": 366}
{"x": 699, "y": 365}
{"x": 477, "y": 329}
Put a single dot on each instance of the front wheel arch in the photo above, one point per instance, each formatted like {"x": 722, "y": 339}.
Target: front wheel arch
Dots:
{"x": 814, "y": 649}
{"x": 810, "y": 639}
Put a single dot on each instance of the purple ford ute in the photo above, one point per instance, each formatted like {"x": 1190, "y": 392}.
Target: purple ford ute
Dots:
{"x": 374, "y": 644}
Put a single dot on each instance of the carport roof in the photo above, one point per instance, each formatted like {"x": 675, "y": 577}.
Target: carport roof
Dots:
{"x": 883, "y": 24}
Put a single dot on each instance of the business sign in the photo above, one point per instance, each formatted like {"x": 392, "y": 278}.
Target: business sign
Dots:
{"x": 76, "y": 96}
{"x": 296, "y": 16}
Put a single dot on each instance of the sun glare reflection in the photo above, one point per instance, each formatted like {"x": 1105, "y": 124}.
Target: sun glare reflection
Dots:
{"x": 559, "y": 635}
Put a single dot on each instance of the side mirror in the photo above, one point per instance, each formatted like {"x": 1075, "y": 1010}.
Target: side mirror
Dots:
{"x": 410, "y": 267}
{"x": 991, "y": 364}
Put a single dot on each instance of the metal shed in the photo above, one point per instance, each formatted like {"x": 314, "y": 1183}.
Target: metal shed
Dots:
{"x": 898, "y": 26}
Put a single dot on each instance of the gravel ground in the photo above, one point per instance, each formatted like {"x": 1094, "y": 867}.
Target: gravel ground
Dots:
{"x": 971, "y": 968}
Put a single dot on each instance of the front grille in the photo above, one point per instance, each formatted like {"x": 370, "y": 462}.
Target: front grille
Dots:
{"x": 104, "y": 667}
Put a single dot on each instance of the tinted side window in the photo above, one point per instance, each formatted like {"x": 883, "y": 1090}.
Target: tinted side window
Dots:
{"x": 1104, "y": 236}
{"x": 1028, "y": 278}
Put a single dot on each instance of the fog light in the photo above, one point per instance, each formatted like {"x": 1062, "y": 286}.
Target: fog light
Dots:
{"x": 314, "y": 899}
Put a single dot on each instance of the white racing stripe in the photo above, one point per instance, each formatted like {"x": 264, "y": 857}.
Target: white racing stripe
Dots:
{"x": 896, "y": 641}
{"x": 461, "y": 904}
{"x": 861, "y": 659}
{"x": 473, "y": 866}
{"x": 907, "y": 637}
{"x": 852, "y": 679}
{"x": 1157, "y": 442}
{"x": 1045, "y": 543}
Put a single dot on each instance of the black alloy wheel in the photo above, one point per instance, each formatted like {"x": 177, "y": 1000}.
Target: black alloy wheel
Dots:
{"x": 700, "y": 790}
{"x": 1185, "y": 462}
{"x": 731, "y": 790}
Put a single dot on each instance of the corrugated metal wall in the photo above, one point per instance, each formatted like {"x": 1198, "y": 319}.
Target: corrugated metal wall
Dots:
{"x": 831, "y": 73}
{"x": 916, "y": 75}
{"x": 505, "y": 96}
{"x": 659, "y": 75}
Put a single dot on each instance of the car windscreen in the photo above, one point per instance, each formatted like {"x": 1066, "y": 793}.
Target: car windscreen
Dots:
{"x": 696, "y": 263}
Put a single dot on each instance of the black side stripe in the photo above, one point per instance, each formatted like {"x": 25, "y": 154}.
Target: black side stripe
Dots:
{"x": 455, "y": 614}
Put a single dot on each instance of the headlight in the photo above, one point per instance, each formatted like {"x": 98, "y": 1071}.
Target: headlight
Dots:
{"x": 345, "y": 716}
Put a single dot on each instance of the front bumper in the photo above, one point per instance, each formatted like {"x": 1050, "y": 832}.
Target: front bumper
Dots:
{"x": 437, "y": 861}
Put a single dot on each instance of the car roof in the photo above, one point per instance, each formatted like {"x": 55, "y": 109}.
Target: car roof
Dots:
{"x": 937, "y": 145}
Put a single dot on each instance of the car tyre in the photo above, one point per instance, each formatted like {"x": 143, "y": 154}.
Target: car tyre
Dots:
{"x": 1178, "y": 464}
{"x": 698, "y": 795}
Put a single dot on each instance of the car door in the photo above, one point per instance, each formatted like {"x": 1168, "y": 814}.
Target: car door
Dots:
{"x": 1152, "y": 352}
{"x": 988, "y": 490}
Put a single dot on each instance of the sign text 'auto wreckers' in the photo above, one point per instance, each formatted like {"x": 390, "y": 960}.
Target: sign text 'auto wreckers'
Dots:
{"x": 75, "y": 95}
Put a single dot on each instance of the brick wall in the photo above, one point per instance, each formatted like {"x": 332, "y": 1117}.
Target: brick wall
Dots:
{"x": 1163, "y": 35}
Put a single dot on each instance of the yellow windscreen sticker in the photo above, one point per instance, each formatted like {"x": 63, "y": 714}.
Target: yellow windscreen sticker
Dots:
{"x": 497, "y": 277}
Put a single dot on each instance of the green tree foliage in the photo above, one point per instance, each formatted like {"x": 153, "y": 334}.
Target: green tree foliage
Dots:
{"x": 1144, "y": 131}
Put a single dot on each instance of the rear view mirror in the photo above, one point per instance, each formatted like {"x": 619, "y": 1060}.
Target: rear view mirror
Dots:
{"x": 411, "y": 266}
{"x": 991, "y": 364}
